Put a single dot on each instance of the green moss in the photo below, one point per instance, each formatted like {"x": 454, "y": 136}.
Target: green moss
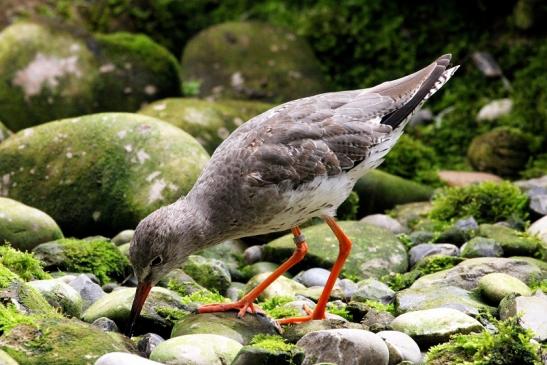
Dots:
{"x": 510, "y": 344}
{"x": 23, "y": 264}
{"x": 428, "y": 265}
{"x": 487, "y": 202}
{"x": 339, "y": 311}
{"x": 171, "y": 314}
{"x": 202, "y": 297}
{"x": 537, "y": 167}
{"x": 99, "y": 257}
{"x": 413, "y": 160}
{"x": 273, "y": 343}
{"x": 274, "y": 307}
{"x": 10, "y": 317}
{"x": 6, "y": 277}
{"x": 537, "y": 283}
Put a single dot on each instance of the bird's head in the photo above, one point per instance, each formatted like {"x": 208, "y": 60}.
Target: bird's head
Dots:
{"x": 161, "y": 243}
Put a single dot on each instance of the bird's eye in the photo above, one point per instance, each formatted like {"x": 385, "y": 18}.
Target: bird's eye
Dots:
{"x": 156, "y": 261}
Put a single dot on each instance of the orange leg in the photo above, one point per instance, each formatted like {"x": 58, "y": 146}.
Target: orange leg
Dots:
{"x": 345, "y": 248}
{"x": 245, "y": 304}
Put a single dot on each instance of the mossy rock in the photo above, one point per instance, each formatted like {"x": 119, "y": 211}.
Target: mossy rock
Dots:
{"x": 97, "y": 256}
{"x": 247, "y": 60}
{"x": 503, "y": 151}
{"x": 134, "y": 70}
{"x": 153, "y": 318}
{"x": 209, "y": 122}
{"x": 25, "y": 227}
{"x": 61, "y": 341}
{"x": 210, "y": 273}
{"x": 379, "y": 191}
{"x": 51, "y": 72}
{"x": 46, "y": 74}
{"x": 100, "y": 173}
{"x": 410, "y": 214}
{"x": 227, "y": 324}
{"x": 4, "y": 132}
{"x": 513, "y": 242}
{"x": 494, "y": 287}
{"x": 375, "y": 251}
{"x": 60, "y": 295}
{"x": 24, "y": 264}
{"x": 281, "y": 287}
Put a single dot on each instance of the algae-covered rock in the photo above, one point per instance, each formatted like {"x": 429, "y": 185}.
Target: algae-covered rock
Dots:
{"x": 133, "y": 70}
{"x": 4, "y": 132}
{"x": 409, "y": 300}
{"x": 512, "y": 242}
{"x": 502, "y": 151}
{"x": 45, "y": 74}
{"x": 433, "y": 326}
{"x": 467, "y": 274}
{"x": 98, "y": 256}
{"x": 281, "y": 287}
{"x": 481, "y": 247}
{"x": 100, "y": 173}
{"x": 379, "y": 191}
{"x": 198, "y": 349}
{"x": 60, "y": 295}
{"x": 226, "y": 324}
{"x": 210, "y": 273}
{"x": 209, "y": 122}
{"x": 246, "y": 60}
{"x": 410, "y": 214}
{"x": 25, "y": 227}
{"x": 61, "y": 341}
{"x": 156, "y": 314}
{"x": 496, "y": 286}
{"x": 375, "y": 251}
{"x": 531, "y": 312}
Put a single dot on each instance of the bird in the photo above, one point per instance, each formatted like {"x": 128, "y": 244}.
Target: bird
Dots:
{"x": 294, "y": 162}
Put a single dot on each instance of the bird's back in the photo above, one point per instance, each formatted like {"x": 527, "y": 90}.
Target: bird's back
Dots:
{"x": 302, "y": 158}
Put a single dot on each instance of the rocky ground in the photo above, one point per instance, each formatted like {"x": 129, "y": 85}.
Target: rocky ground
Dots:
{"x": 449, "y": 259}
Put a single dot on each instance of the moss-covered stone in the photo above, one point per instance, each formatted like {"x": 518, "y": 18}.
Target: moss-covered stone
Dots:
{"x": 245, "y": 60}
{"x": 210, "y": 122}
{"x": 495, "y": 286}
{"x": 411, "y": 213}
{"x": 117, "y": 307}
{"x": 502, "y": 151}
{"x": 211, "y": 273}
{"x": 379, "y": 191}
{"x": 99, "y": 257}
{"x": 4, "y": 132}
{"x": 60, "y": 295}
{"x": 269, "y": 350}
{"x": 61, "y": 341}
{"x": 23, "y": 264}
{"x": 488, "y": 202}
{"x": 100, "y": 173}
{"x": 513, "y": 242}
{"x": 134, "y": 70}
{"x": 281, "y": 287}
{"x": 226, "y": 324}
{"x": 25, "y": 227}
{"x": 375, "y": 251}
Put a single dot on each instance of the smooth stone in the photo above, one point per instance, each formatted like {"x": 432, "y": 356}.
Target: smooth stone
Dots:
{"x": 253, "y": 254}
{"x": 346, "y": 346}
{"x": 495, "y": 109}
{"x": 401, "y": 347}
{"x": 419, "y": 236}
{"x": 295, "y": 332}
{"x": 226, "y": 324}
{"x": 531, "y": 310}
{"x": 117, "y": 306}
{"x": 260, "y": 267}
{"x": 460, "y": 232}
{"x": 410, "y": 213}
{"x": 464, "y": 178}
{"x": 467, "y": 274}
{"x": 512, "y": 241}
{"x": 235, "y": 291}
{"x": 481, "y": 247}
{"x": 183, "y": 282}
{"x": 148, "y": 342}
{"x": 536, "y": 189}
{"x": 376, "y": 321}
{"x": 89, "y": 291}
{"x": 281, "y": 287}
{"x": 422, "y": 250}
{"x": 24, "y": 227}
{"x": 315, "y": 276}
{"x": 539, "y": 228}
{"x": 230, "y": 253}
{"x": 106, "y": 324}
{"x": 197, "y": 349}
{"x": 496, "y": 286}
{"x": 433, "y": 326}
{"x": 385, "y": 221}
{"x": 348, "y": 287}
{"x": 373, "y": 289}
{"x": 123, "y": 237}
{"x": 314, "y": 292}
{"x": 252, "y": 355}
{"x": 59, "y": 295}
{"x": 410, "y": 300}
{"x": 123, "y": 358}
{"x": 208, "y": 272}
{"x": 375, "y": 251}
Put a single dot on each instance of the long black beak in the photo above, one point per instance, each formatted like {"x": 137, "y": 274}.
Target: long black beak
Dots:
{"x": 143, "y": 289}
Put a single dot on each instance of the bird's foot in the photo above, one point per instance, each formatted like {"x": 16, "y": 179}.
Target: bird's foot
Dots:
{"x": 241, "y": 306}
{"x": 311, "y": 315}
